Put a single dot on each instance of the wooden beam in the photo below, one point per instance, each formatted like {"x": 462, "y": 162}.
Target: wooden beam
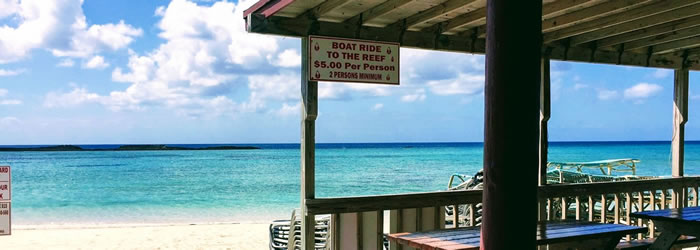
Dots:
{"x": 469, "y": 19}
{"x": 299, "y": 27}
{"x": 680, "y": 117}
{"x": 382, "y": 9}
{"x": 545, "y": 113}
{"x": 649, "y": 21}
{"x": 591, "y": 13}
{"x": 663, "y": 38}
{"x": 562, "y": 6}
{"x": 548, "y": 11}
{"x": 649, "y": 32}
{"x": 511, "y": 138}
{"x": 391, "y": 202}
{"x": 435, "y": 12}
{"x": 328, "y": 6}
{"x": 626, "y": 16}
{"x": 309, "y": 111}
{"x": 677, "y": 45}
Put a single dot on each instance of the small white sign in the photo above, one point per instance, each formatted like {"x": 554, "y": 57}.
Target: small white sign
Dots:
{"x": 5, "y": 218}
{"x": 349, "y": 60}
{"x": 5, "y": 183}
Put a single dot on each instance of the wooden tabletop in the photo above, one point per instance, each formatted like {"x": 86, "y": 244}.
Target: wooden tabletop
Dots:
{"x": 547, "y": 233}
{"x": 688, "y": 214}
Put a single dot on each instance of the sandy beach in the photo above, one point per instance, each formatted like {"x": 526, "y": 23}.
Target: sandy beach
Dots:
{"x": 182, "y": 236}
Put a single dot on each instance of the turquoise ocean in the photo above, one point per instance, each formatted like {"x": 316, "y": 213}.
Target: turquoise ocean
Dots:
{"x": 123, "y": 187}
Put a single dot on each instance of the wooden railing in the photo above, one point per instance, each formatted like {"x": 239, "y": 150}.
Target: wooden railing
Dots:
{"x": 358, "y": 222}
{"x": 613, "y": 202}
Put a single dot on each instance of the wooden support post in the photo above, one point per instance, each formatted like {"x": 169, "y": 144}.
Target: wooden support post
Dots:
{"x": 309, "y": 109}
{"x": 511, "y": 129}
{"x": 544, "y": 118}
{"x": 680, "y": 116}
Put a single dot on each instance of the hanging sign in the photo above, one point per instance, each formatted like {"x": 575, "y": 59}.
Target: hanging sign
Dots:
{"x": 5, "y": 225}
{"x": 5, "y": 182}
{"x": 349, "y": 60}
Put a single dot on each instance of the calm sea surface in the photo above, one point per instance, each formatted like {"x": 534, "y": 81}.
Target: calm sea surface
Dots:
{"x": 257, "y": 185}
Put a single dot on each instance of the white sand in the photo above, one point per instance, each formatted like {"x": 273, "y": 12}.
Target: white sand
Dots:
{"x": 207, "y": 236}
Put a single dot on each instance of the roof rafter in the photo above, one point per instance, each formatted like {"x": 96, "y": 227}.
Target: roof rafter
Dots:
{"x": 663, "y": 38}
{"x": 382, "y": 9}
{"x": 436, "y": 11}
{"x": 649, "y": 32}
{"x": 590, "y": 13}
{"x": 649, "y": 21}
{"x": 674, "y": 46}
{"x": 632, "y": 14}
{"x": 328, "y": 6}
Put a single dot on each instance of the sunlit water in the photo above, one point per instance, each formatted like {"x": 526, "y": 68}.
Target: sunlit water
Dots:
{"x": 257, "y": 185}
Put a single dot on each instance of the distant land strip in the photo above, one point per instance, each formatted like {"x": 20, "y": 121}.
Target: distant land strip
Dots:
{"x": 123, "y": 148}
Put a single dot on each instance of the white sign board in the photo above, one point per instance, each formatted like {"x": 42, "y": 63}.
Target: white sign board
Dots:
{"x": 5, "y": 182}
{"x": 349, "y": 60}
{"x": 5, "y": 220}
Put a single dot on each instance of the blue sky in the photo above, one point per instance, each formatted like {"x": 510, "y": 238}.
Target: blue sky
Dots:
{"x": 100, "y": 71}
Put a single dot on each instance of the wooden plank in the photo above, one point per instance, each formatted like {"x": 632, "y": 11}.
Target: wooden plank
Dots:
{"x": 617, "y": 210}
{"x": 561, "y": 6}
{"x": 334, "y": 231}
{"x": 359, "y": 235}
{"x": 578, "y": 208}
{"x": 640, "y": 204}
{"x": 379, "y": 236}
{"x": 511, "y": 97}
{"x": 469, "y": 19}
{"x": 472, "y": 215}
{"x": 382, "y": 9}
{"x": 646, "y": 22}
{"x": 628, "y": 211}
{"x": 590, "y": 207}
{"x": 657, "y": 30}
{"x": 329, "y": 6}
{"x": 564, "y": 208}
{"x": 663, "y": 38}
{"x": 677, "y": 45}
{"x": 622, "y": 187}
{"x": 309, "y": 96}
{"x": 626, "y": 16}
{"x": 348, "y": 231}
{"x": 589, "y": 14}
{"x": 603, "y": 209}
{"x": 680, "y": 117}
{"x": 436, "y": 11}
{"x": 455, "y": 215}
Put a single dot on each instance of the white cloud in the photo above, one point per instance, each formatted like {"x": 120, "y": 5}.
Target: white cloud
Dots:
{"x": 661, "y": 73}
{"x": 642, "y": 90}
{"x": 579, "y": 86}
{"x": 288, "y": 58}
{"x": 66, "y": 63}
{"x": 9, "y": 121}
{"x": 96, "y": 62}
{"x": 378, "y": 106}
{"x": 289, "y": 110}
{"x": 5, "y": 72}
{"x": 418, "y": 95}
{"x": 3, "y": 93}
{"x": 58, "y": 26}
{"x": 76, "y": 97}
{"x": 463, "y": 84}
{"x": 606, "y": 94}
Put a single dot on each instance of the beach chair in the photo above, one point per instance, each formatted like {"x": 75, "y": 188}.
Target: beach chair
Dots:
{"x": 286, "y": 234}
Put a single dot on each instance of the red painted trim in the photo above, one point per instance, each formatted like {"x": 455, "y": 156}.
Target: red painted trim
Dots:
{"x": 267, "y": 7}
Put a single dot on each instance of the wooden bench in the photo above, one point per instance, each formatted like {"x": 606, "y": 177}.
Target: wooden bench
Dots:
{"x": 571, "y": 233}
{"x": 646, "y": 243}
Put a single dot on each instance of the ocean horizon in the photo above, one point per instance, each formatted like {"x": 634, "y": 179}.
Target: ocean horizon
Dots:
{"x": 221, "y": 186}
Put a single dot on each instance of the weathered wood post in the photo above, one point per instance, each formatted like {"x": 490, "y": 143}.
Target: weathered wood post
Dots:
{"x": 680, "y": 116}
{"x": 309, "y": 110}
{"x": 545, "y": 113}
{"x": 511, "y": 130}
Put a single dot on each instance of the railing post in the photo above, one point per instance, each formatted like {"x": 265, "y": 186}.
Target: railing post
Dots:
{"x": 680, "y": 116}
{"x": 544, "y": 118}
{"x": 309, "y": 110}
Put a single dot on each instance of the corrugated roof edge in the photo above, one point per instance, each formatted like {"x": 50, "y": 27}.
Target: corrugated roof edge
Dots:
{"x": 266, "y": 7}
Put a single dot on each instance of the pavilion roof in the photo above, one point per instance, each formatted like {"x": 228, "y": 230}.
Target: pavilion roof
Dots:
{"x": 651, "y": 33}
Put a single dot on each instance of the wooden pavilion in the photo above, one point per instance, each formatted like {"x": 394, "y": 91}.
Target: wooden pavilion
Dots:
{"x": 519, "y": 38}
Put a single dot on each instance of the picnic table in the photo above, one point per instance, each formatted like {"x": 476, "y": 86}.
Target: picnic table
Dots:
{"x": 672, "y": 223}
{"x": 549, "y": 232}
